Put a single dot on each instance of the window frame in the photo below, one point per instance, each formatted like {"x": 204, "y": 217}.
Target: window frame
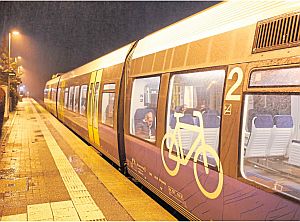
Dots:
{"x": 158, "y": 98}
{"x": 191, "y": 71}
{"x": 249, "y": 86}
{"x": 102, "y": 91}
{"x": 241, "y": 140}
{"x": 107, "y": 84}
{"x": 74, "y": 99}
{"x": 70, "y": 108}
{"x": 96, "y": 99}
{"x": 54, "y": 94}
{"x": 66, "y": 103}
{"x": 58, "y": 95}
{"x": 50, "y": 96}
{"x": 101, "y": 121}
{"x": 86, "y": 99}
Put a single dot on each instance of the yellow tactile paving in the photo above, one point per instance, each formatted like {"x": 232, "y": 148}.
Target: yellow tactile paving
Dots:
{"x": 83, "y": 202}
{"x": 17, "y": 217}
{"x": 39, "y": 212}
{"x": 140, "y": 206}
{"x": 64, "y": 211}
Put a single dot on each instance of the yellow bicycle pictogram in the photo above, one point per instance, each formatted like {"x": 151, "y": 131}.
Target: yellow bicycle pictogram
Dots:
{"x": 179, "y": 157}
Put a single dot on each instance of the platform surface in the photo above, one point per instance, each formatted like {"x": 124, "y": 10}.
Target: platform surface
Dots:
{"x": 48, "y": 173}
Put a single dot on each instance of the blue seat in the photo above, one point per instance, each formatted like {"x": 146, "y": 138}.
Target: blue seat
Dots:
{"x": 260, "y": 138}
{"x": 186, "y": 135}
{"x": 263, "y": 121}
{"x": 283, "y": 121}
{"x": 281, "y": 135}
{"x": 211, "y": 132}
{"x": 188, "y": 119}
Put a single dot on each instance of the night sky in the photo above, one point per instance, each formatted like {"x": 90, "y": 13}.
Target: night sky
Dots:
{"x": 60, "y": 36}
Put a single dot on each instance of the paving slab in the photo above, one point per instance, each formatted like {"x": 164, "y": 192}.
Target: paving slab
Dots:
{"x": 48, "y": 173}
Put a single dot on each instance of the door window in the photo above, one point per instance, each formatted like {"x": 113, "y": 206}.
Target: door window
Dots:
{"x": 194, "y": 109}
{"x": 108, "y": 100}
{"x": 66, "y": 96}
{"x": 71, "y": 95}
{"x": 83, "y": 93}
{"x": 143, "y": 109}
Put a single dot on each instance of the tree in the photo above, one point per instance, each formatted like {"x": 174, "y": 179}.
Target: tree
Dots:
{"x": 10, "y": 67}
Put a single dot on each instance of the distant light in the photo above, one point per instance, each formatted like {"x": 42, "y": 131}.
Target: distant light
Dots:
{"x": 16, "y": 33}
{"x": 19, "y": 57}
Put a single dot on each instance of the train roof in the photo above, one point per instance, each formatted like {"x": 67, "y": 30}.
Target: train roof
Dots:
{"x": 221, "y": 18}
{"x": 53, "y": 81}
{"x": 113, "y": 58}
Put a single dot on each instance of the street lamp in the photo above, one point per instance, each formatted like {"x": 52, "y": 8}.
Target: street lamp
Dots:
{"x": 8, "y": 100}
{"x": 15, "y": 33}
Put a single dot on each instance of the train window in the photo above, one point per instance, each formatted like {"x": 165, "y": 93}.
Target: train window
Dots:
{"x": 271, "y": 141}
{"x": 96, "y": 100}
{"x": 58, "y": 95}
{"x": 83, "y": 100}
{"x": 143, "y": 108}
{"x": 71, "y": 95}
{"x": 76, "y": 99}
{"x": 194, "y": 108}
{"x": 108, "y": 108}
{"x": 66, "y": 97}
{"x": 46, "y": 90}
{"x": 110, "y": 86}
{"x": 53, "y": 94}
{"x": 276, "y": 77}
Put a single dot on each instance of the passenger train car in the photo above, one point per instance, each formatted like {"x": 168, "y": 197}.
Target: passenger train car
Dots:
{"x": 205, "y": 112}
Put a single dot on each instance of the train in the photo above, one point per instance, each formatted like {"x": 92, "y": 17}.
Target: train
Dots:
{"x": 204, "y": 112}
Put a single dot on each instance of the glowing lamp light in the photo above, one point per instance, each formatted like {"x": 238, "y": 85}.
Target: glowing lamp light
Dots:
{"x": 16, "y": 33}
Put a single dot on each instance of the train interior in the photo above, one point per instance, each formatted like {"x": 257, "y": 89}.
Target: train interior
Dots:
{"x": 108, "y": 101}
{"x": 190, "y": 92}
{"x": 271, "y": 138}
{"x": 144, "y": 108}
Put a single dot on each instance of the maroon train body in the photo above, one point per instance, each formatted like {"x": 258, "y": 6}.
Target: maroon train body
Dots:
{"x": 205, "y": 112}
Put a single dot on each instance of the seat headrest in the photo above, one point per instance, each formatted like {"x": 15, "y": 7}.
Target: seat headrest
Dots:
{"x": 283, "y": 121}
{"x": 188, "y": 119}
{"x": 210, "y": 120}
{"x": 263, "y": 121}
{"x": 177, "y": 109}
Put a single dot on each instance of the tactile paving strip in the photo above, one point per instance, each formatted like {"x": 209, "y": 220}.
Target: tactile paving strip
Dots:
{"x": 82, "y": 200}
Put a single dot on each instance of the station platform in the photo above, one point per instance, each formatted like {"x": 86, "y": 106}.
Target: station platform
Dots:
{"x": 48, "y": 173}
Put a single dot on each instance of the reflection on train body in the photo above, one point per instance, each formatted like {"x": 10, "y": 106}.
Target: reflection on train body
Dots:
{"x": 204, "y": 113}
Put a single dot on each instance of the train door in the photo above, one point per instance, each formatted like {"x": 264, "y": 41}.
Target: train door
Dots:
{"x": 60, "y": 99}
{"x": 93, "y": 106}
{"x": 56, "y": 102}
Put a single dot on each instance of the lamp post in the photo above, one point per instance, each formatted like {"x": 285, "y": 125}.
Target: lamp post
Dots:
{"x": 8, "y": 102}
{"x": 9, "y": 45}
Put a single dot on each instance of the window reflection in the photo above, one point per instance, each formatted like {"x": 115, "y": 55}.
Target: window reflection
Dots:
{"x": 144, "y": 108}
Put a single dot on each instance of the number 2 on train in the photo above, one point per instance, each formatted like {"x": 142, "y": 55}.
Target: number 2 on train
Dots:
{"x": 230, "y": 95}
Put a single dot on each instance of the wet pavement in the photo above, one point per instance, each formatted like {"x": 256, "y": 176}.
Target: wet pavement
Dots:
{"x": 48, "y": 173}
